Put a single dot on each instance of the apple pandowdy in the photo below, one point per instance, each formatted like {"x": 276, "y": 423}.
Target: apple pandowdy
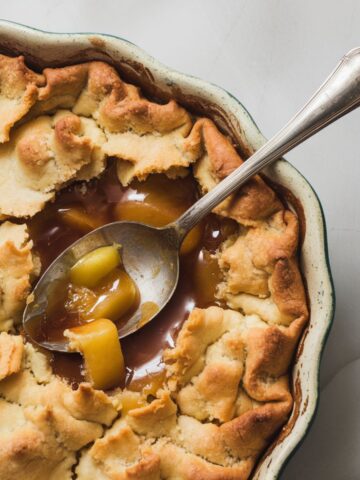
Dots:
{"x": 201, "y": 391}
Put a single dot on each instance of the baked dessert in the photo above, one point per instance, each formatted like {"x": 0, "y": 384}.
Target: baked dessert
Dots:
{"x": 207, "y": 385}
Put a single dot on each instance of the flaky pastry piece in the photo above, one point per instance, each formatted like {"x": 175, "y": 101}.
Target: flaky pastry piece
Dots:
{"x": 18, "y": 92}
{"x": 153, "y": 442}
{"x": 213, "y": 371}
{"x": 206, "y": 425}
{"x": 261, "y": 273}
{"x": 11, "y": 353}
{"x": 16, "y": 269}
{"x": 42, "y": 156}
{"x": 255, "y": 201}
{"x": 145, "y": 136}
{"x": 43, "y": 422}
{"x": 119, "y": 455}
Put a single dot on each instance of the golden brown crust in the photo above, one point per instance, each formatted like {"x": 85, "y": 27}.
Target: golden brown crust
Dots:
{"x": 178, "y": 463}
{"x": 44, "y": 154}
{"x": 62, "y": 88}
{"x": 156, "y": 419}
{"x": 263, "y": 353}
{"x": 146, "y": 137}
{"x": 254, "y": 201}
{"x": 249, "y": 261}
{"x": 88, "y": 404}
{"x": 250, "y": 433}
{"x": 49, "y": 421}
{"x": 269, "y": 356}
{"x": 11, "y": 352}
{"x": 19, "y": 92}
{"x": 227, "y": 390}
{"x": 16, "y": 268}
{"x": 28, "y": 450}
{"x": 119, "y": 456}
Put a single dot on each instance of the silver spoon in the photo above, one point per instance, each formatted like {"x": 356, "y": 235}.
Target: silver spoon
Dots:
{"x": 151, "y": 255}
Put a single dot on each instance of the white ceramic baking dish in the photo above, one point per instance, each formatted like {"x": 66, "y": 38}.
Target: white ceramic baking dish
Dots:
{"x": 43, "y": 49}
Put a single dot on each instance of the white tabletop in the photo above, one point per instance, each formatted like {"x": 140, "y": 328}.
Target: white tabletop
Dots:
{"x": 271, "y": 54}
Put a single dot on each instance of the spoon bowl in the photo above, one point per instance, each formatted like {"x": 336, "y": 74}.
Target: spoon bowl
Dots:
{"x": 150, "y": 256}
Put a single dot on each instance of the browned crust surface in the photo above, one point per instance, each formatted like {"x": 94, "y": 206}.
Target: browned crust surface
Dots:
{"x": 227, "y": 389}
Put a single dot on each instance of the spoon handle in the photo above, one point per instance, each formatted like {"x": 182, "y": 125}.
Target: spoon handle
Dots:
{"x": 338, "y": 95}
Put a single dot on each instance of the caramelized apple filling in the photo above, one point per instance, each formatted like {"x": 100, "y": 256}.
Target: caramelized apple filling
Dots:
{"x": 100, "y": 287}
{"x": 99, "y": 293}
{"x": 157, "y": 201}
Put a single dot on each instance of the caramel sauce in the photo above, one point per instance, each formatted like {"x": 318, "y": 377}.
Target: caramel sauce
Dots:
{"x": 70, "y": 306}
{"x": 83, "y": 206}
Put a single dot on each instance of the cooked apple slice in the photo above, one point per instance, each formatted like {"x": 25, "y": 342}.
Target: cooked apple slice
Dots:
{"x": 158, "y": 215}
{"x": 95, "y": 265}
{"x": 99, "y": 344}
{"x": 116, "y": 294}
{"x": 76, "y": 218}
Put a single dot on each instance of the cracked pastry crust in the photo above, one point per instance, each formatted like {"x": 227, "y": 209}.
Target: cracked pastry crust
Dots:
{"x": 43, "y": 422}
{"x": 17, "y": 265}
{"x": 42, "y": 155}
{"x": 19, "y": 90}
{"x": 227, "y": 391}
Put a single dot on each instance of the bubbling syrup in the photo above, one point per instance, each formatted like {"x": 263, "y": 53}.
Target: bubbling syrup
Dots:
{"x": 82, "y": 207}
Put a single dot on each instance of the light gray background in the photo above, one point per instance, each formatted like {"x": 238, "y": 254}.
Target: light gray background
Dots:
{"x": 271, "y": 54}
